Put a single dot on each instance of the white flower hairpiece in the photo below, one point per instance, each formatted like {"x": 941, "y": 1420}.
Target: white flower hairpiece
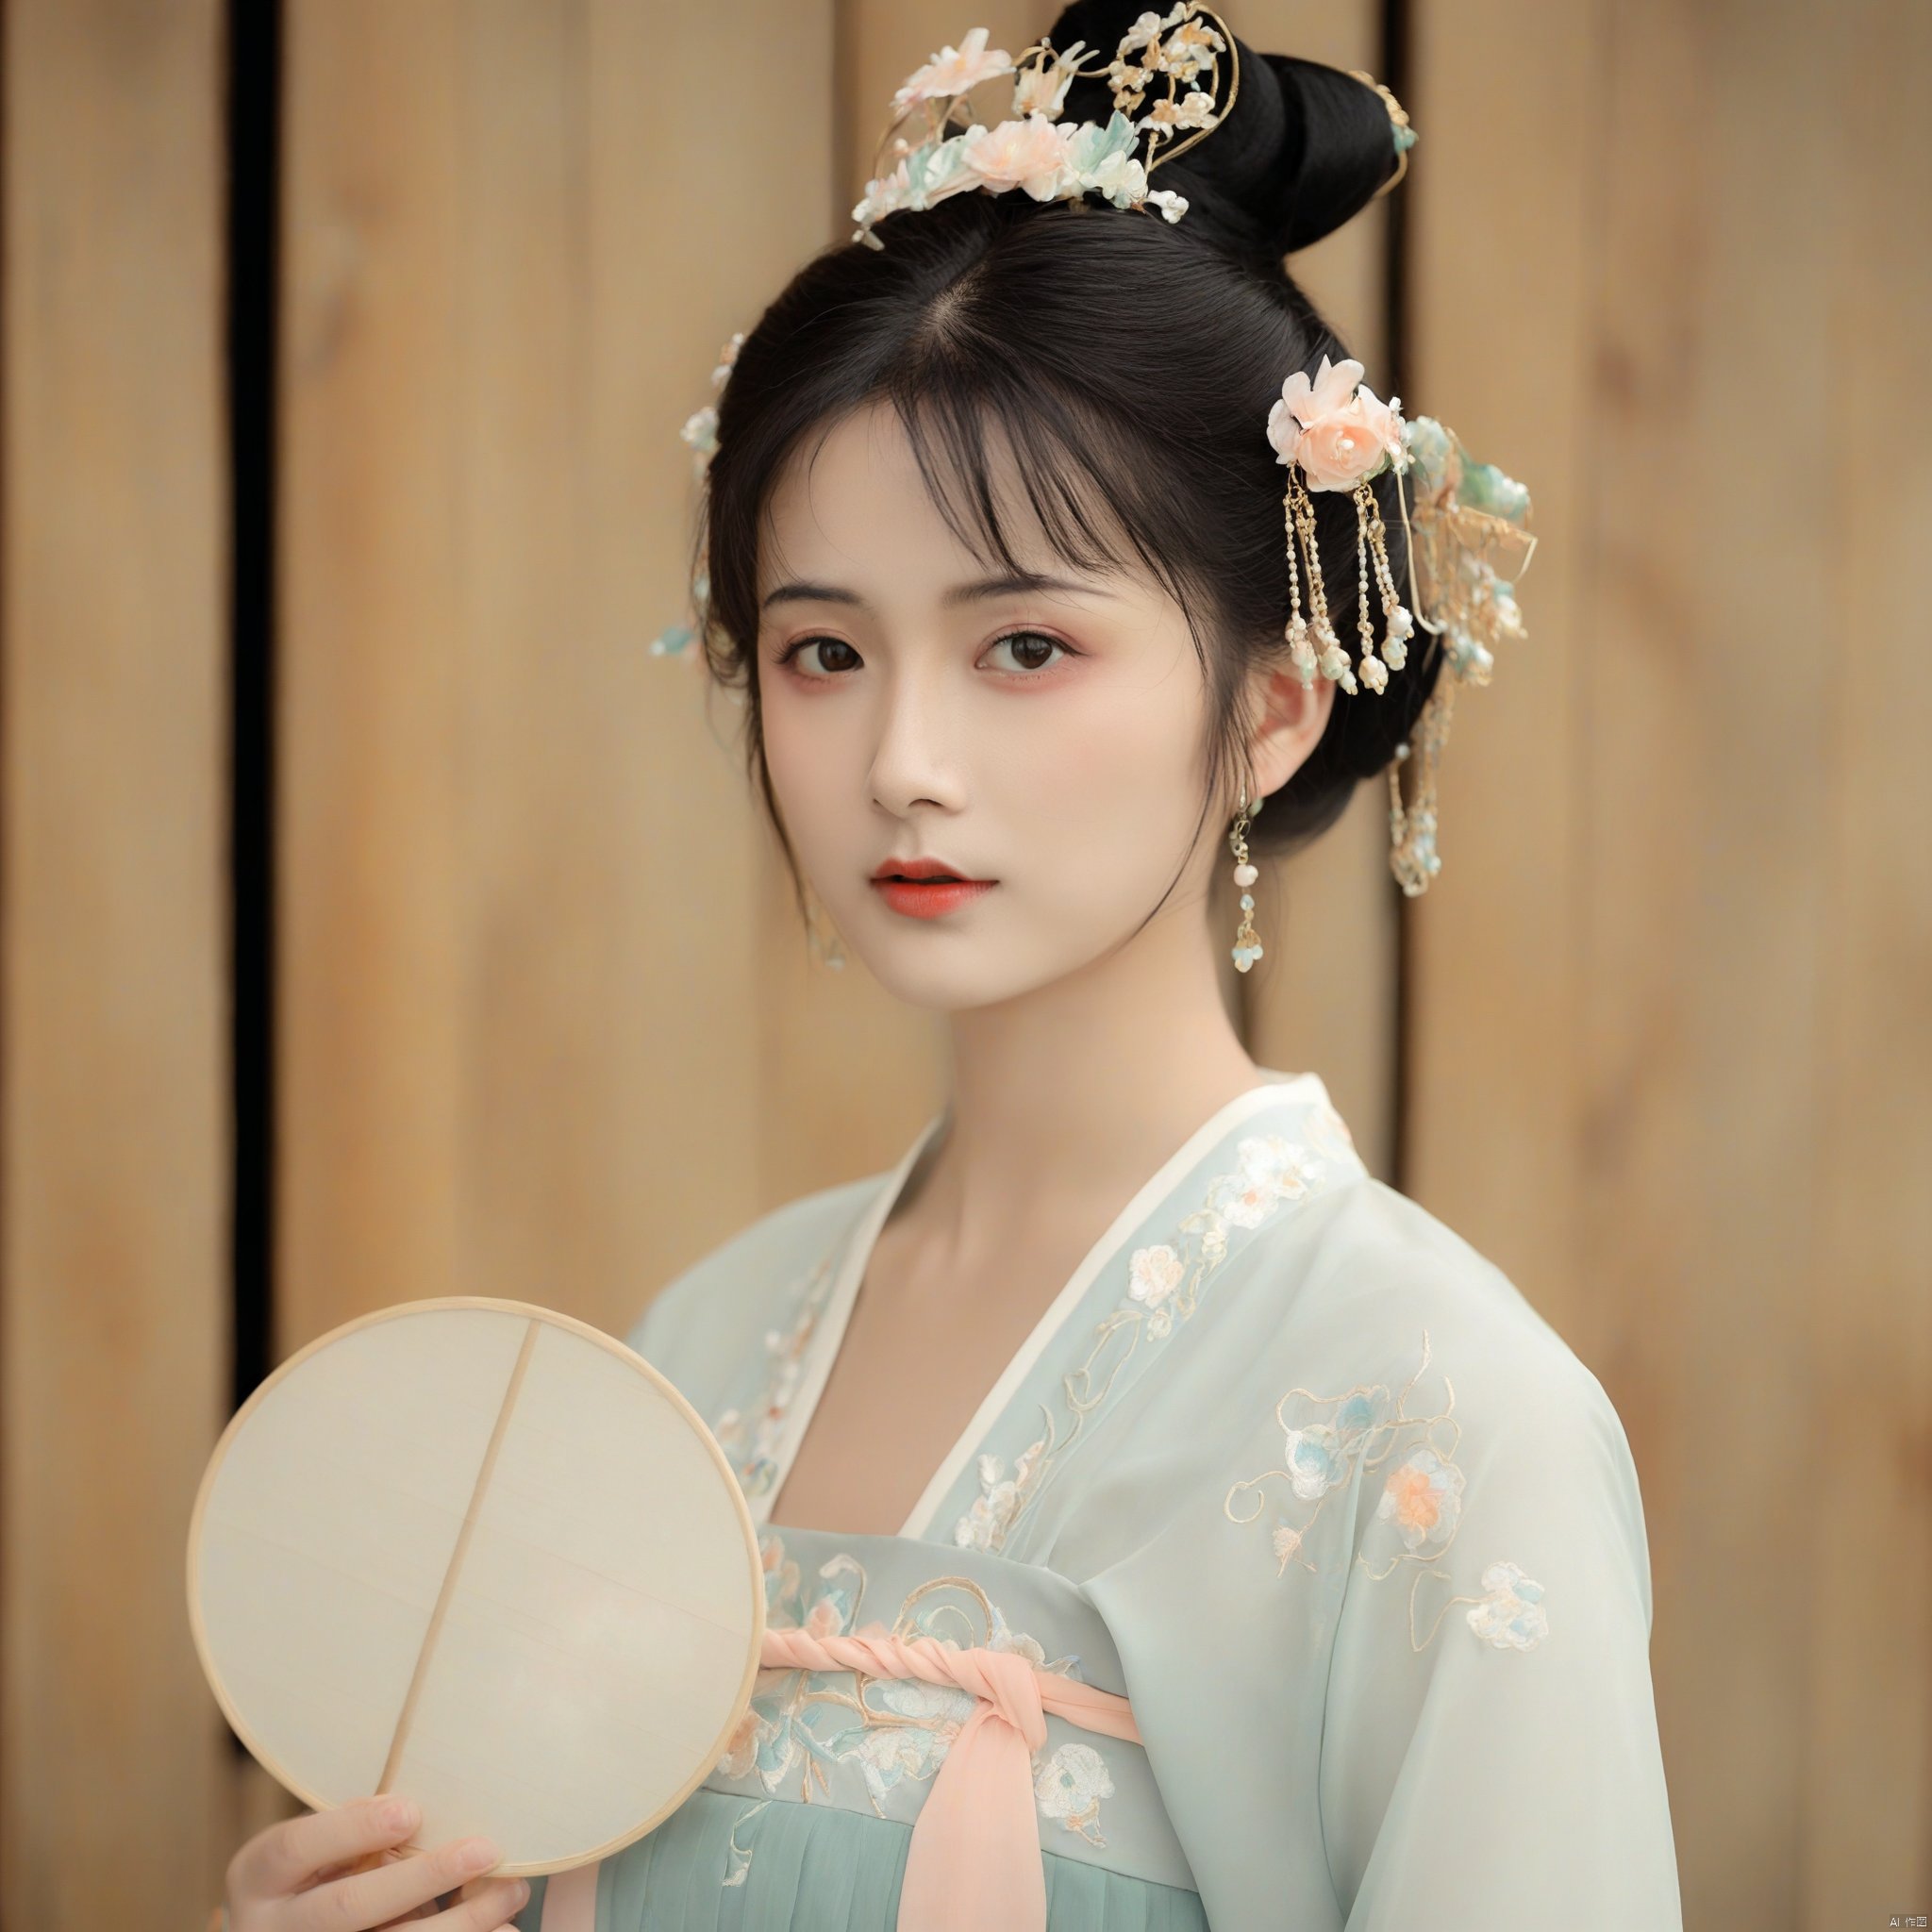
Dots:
{"x": 1033, "y": 149}
{"x": 700, "y": 432}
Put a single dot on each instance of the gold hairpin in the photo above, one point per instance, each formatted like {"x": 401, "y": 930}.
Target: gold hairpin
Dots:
{"x": 1398, "y": 118}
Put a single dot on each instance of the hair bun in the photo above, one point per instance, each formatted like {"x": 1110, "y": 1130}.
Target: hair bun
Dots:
{"x": 1303, "y": 150}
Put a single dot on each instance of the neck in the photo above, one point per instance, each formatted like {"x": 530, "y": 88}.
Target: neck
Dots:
{"x": 1065, "y": 1100}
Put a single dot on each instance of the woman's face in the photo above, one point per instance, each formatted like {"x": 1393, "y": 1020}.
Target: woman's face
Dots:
{"x": 1041, "y": 737}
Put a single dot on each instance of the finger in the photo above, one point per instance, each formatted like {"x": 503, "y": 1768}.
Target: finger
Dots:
{"x": 429, "y": 1911}
{"x": 498, "y": 1897}
{"x": 288, "y": 1856}
{"x": 420, "y": 1912}
{"x": 386, "y": 1855}
{"x": 484, "y": 1908}
{"x": 372, "y": 1898}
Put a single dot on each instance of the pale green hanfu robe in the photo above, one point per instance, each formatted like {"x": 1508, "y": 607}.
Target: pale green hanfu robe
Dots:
{"x": 1288, "y": 1464}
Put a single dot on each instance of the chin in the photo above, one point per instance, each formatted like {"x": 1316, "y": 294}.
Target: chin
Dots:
{"x": 944, "y": 968}
{"x": 936, "y": 974}
{"x": 952, "y": 990}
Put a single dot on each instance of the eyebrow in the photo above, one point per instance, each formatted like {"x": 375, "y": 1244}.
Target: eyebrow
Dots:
{"x": 803, "y": 591}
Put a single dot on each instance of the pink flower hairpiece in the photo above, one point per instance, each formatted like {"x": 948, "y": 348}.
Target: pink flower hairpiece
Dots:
{"x": 1339, "y": 433}
{"x": 1033, "y": 150}
{"x": 1334, "y": 433}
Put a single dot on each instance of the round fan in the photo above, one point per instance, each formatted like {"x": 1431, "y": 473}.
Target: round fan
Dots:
{"x": 478, "y": 1553}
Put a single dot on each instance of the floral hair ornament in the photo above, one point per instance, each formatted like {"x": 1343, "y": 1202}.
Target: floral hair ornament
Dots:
{"x": 700, "y": 432}
{"x": 1469, "y": 528}
{"x": 1470, "y": 543}
{"x": 1334, "y": 433}
{"x": 1033, "y": 149}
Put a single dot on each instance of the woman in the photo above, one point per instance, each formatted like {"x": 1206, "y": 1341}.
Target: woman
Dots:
{"x": 1129, "y": 1369}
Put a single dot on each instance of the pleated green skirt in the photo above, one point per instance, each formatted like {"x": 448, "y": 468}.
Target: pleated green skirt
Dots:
{"x": 816, "y": 1867}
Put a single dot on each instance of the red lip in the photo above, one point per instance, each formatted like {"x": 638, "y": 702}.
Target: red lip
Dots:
{"x": 926, "y": 888}
{"x": 929, "y": 898}
{"x": 923, "y": 869}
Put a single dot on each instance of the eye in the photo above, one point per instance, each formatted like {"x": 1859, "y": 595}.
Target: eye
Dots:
{"x": 793, "y": 654}
{"x": 1027, "y": 647}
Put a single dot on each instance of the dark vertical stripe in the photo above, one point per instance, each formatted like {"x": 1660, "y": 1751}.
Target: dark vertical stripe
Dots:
{"x": 1395, "y": 74}
{"x": 254, "y": 142}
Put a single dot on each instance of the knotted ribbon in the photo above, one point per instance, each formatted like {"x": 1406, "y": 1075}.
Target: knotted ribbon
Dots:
{"x": 974, "y": 1860}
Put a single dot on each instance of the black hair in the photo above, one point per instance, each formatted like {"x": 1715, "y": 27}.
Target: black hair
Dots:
{"x": 1103, "y": 346}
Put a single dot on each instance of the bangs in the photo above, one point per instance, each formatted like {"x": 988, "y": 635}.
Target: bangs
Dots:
{"x": 995, "y": 459}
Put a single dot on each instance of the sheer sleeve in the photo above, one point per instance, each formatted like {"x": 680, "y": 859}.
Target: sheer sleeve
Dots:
{"x": 1375, "y": 1564}
{"x": 1489, "y": 1748}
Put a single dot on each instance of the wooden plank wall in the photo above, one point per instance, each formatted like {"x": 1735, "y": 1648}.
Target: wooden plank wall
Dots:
{"x": 546, "y": 1024}
{"x": 1674, "y": 1068}
{"x": 1862, "y": 1809}
{"x": 113, "y": 1021}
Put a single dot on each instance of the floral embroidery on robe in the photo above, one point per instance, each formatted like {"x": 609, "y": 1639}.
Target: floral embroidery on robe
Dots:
{"x": 749, "y": 1438}
{"x": 1165, "y": 1281}
{"x": 1421, "y": 1497}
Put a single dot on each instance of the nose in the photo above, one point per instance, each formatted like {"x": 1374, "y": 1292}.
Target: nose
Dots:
{"x": 915, "y": 754}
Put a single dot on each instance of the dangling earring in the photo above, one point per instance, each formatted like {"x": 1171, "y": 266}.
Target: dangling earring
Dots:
{"x": 820, "y": 937}
{"x": 1247, "y": 947}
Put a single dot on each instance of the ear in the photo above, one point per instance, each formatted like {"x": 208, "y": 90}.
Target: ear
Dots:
{"x": 1290, "y": 719}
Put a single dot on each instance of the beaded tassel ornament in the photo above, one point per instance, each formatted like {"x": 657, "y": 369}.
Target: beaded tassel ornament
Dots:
{"x": 1470, "y": 542}
{"x": 1247, "y": 946}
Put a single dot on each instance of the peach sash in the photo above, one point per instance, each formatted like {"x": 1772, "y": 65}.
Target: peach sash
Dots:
{"x": 974, "y": 1858}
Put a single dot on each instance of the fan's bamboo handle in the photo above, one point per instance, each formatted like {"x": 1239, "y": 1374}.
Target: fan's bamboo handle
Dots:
{"x": 449, "y": 1578}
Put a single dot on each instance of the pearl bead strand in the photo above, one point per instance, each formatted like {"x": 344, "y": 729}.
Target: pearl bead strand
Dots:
{"x": 1247, "y": 945}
